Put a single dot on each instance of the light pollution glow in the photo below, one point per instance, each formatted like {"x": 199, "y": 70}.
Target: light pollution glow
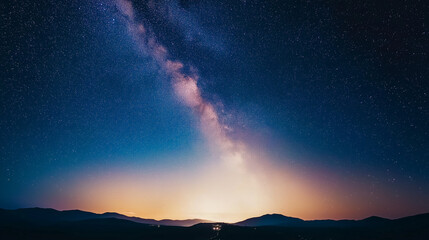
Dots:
{"x": 236, "y": 180}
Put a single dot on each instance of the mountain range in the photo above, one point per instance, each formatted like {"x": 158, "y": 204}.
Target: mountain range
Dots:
{"x": 40, "y": 223}
{"x": 281, "y": 220}
{"x": 49, "y": 216}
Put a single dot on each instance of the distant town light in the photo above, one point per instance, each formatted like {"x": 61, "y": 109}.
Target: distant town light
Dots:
{"x": 217, "y": 227}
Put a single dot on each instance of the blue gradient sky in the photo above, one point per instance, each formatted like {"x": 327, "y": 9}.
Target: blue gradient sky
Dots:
{"x": 326, "y": 96}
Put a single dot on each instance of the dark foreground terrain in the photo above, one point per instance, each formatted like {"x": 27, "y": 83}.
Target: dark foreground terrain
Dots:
{"x": 51, "y": 224}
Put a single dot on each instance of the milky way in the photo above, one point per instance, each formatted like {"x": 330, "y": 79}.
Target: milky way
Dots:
{"x": 215, "y": 109}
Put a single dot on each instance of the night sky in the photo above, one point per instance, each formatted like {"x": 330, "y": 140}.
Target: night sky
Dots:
{"x": 220, "y": 110}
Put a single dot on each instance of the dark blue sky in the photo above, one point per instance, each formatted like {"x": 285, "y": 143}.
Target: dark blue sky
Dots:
{"x": 341, "y": 85}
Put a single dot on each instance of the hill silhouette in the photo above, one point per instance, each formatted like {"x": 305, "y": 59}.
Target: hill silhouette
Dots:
{"x": 38, "y": 223}
{"x": 49, "y": 215}
{"x": 281, "y": 220}
{"x": 271, "y": 220}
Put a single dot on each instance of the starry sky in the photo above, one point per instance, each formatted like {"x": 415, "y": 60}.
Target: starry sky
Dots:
{"x": 220, "y": 110}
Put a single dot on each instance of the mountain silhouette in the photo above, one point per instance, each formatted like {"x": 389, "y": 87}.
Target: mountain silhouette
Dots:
{"x": 271, "y": 220}
{"x": 46, "y": 224}
{"x": 49, "y": 215}
{"x": 373, "y": 221}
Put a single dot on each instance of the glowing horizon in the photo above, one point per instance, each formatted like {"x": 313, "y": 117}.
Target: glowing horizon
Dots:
{"x": 152, "y": 111}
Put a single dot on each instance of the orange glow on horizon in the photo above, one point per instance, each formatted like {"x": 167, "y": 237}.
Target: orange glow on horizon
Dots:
{"x": 225, "y": 191}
